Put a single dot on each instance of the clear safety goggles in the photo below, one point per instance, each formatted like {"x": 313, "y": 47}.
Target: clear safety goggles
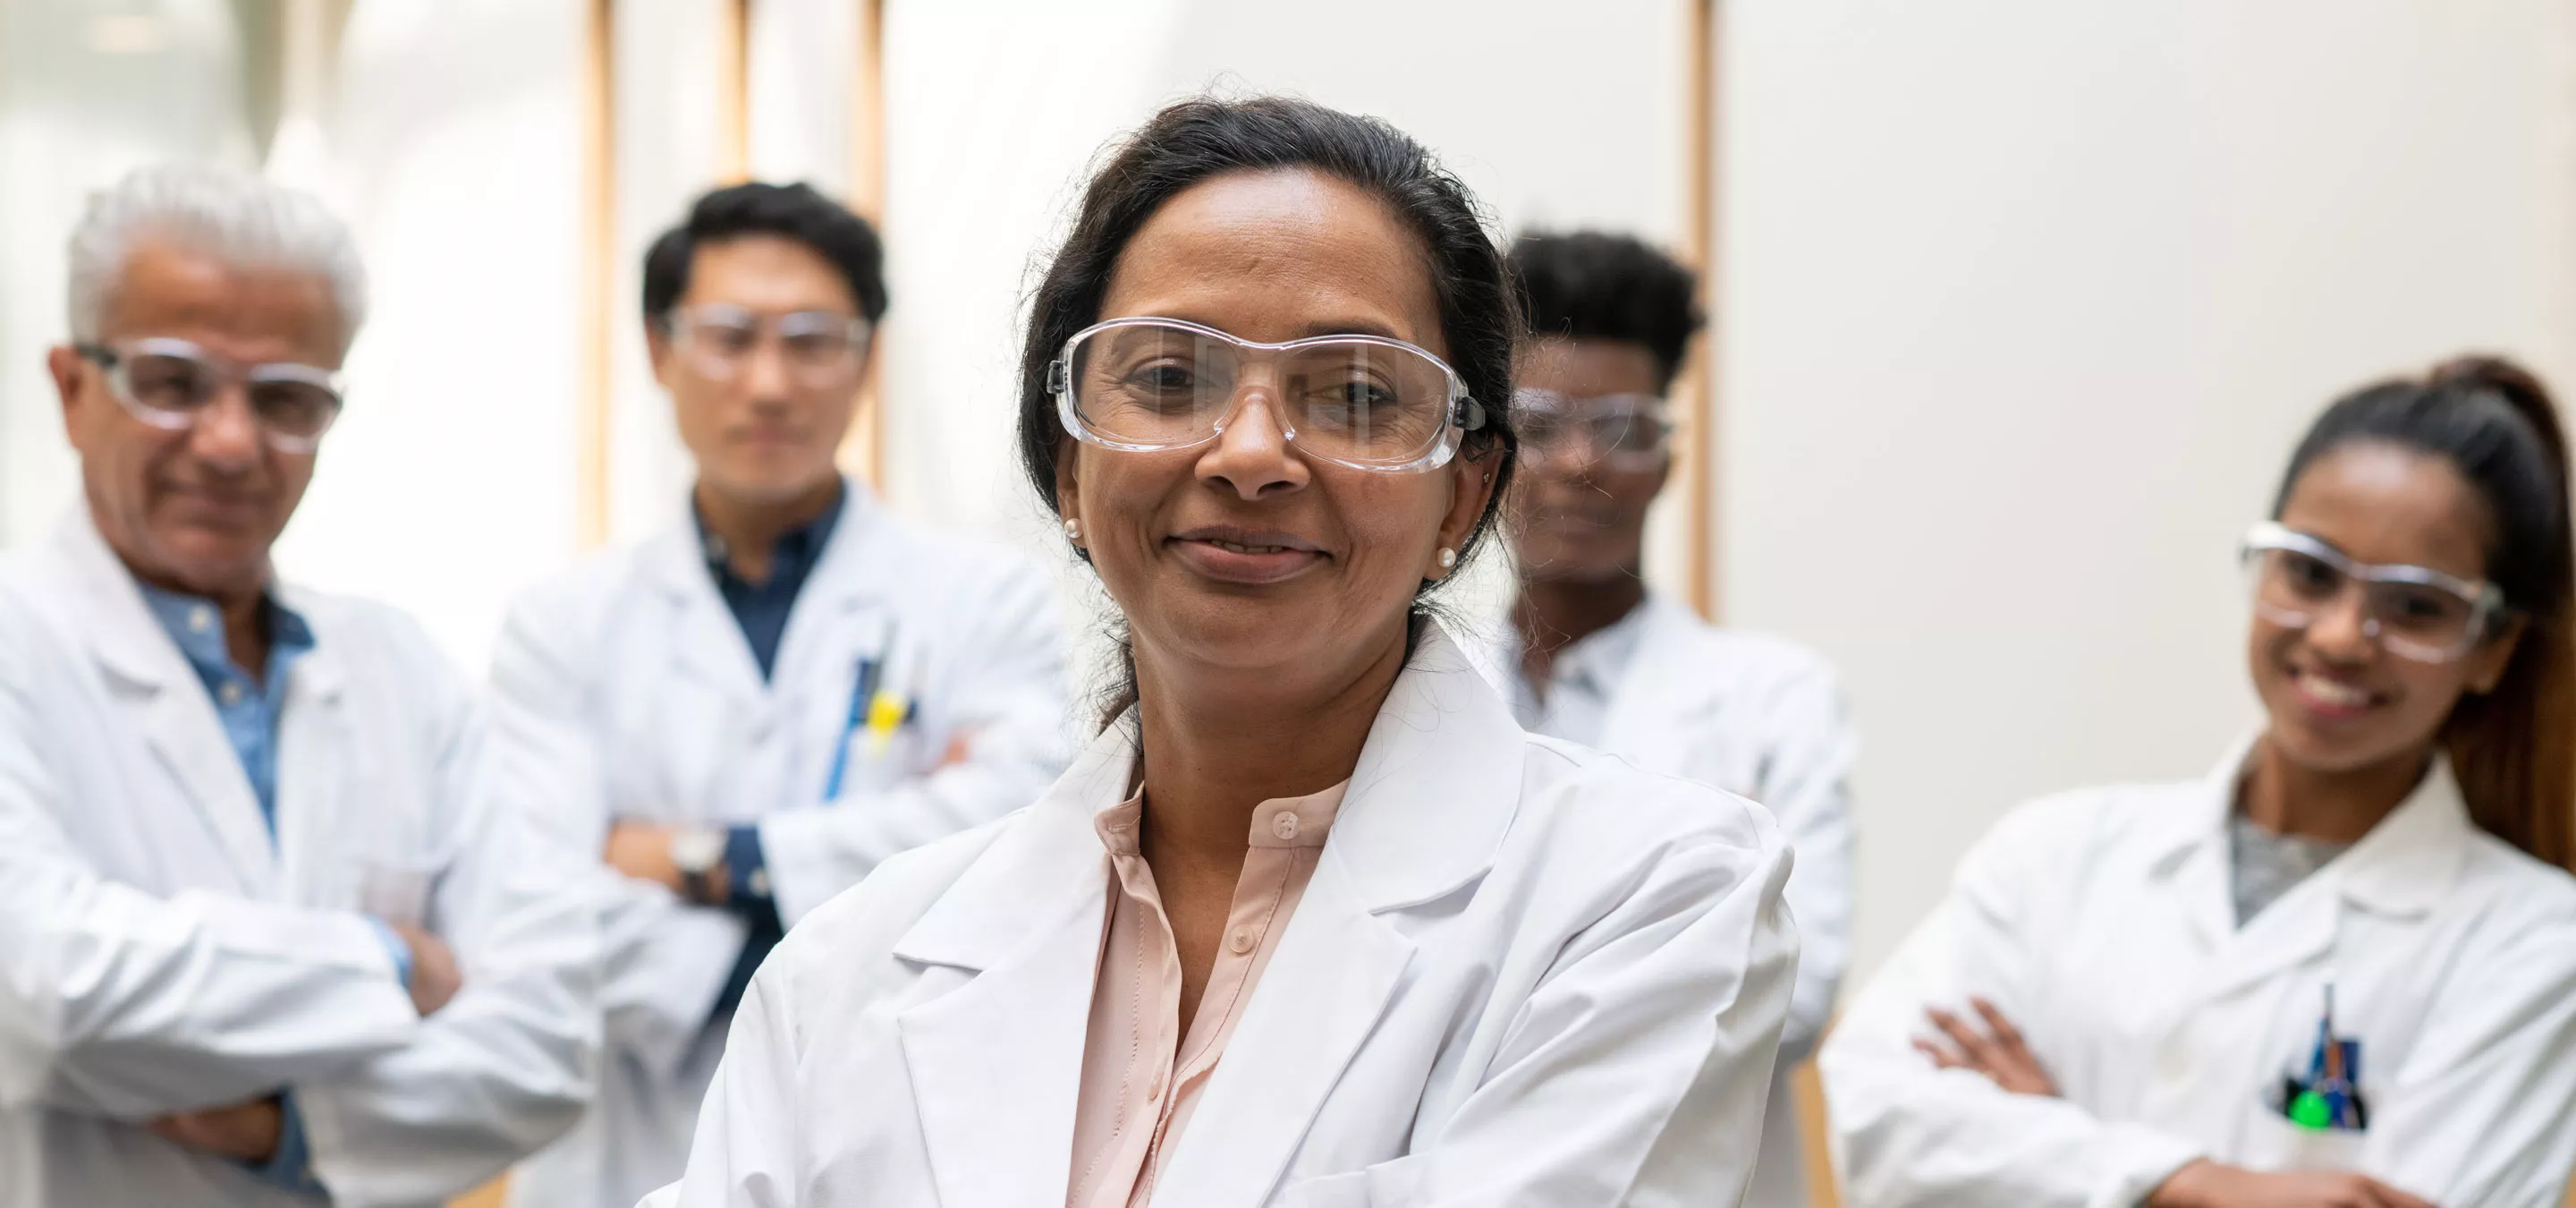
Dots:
{"x": 168, "y": 383}
{"x": 1622, "y": 431}
{"x": 821, "y": 349}
{"x": 2413, "y": 612}
{"x": 1370, "y": 403}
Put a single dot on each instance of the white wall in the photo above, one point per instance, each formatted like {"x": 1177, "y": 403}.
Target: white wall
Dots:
{"x": 455, "y": 155}
{"x": 2024, "y": 304}
{"x": 86, "y": 94}
{"x": 996, "y": 110}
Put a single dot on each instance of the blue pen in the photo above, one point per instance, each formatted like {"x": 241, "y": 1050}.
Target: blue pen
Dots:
{"x": 862, "y": 689}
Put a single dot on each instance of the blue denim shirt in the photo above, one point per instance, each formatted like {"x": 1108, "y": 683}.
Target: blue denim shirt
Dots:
{"x": 249, "y": 711}
{"x": 248, "y": 707}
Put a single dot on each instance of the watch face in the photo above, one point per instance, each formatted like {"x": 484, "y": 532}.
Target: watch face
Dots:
{"x": 696, "y": 851}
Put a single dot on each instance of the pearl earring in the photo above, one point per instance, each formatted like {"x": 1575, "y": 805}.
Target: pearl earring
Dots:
{"x": 1448, "y": 557}
{"x": 1072, "y": 529}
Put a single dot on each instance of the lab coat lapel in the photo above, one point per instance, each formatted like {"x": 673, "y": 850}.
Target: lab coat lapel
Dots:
{"x": 996, "y": 1065}
{"x": 706, "y": 642}
{"x": 2191, "y": 854}
{"x": 1430, "y": 800}
{"x": 1336, "y": 970}
{"x": 1659, "y": 692}
{"x": 2403, "y": 867}
{"x": 313, "y": 744}
{"x": 847, "y": 584}
{"x": 179, "y": 722}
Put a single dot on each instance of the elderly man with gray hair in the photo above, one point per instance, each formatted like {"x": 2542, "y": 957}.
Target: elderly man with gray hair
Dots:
{"x": 264, "y": 937}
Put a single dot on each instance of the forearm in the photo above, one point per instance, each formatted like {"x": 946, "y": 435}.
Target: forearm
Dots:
{"x": 813, "y": 854}
{"x": 501, "y": 1070}
{"x": 1912, "y": 1134}
{"x": 126, "y": 1005}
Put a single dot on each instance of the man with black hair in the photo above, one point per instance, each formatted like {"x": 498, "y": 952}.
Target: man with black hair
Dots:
{"x": 749, "y": 712}
{"x": 1602, "y": 661}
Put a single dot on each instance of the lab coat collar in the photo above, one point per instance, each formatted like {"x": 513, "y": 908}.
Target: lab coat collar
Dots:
{"x": 1661, "y": 698}
{"x": 711, "y": 646}
{"x": 1434, "y": 791}
{"x": 1418, "y": 819}
{"x": 179, "y": 722}
{"x": 2406, "y": 865}
{"x": 2403, "y": 868}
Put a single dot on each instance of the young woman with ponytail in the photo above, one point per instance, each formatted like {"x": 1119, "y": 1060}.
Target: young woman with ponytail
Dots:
{"x": 2341, "y": 970}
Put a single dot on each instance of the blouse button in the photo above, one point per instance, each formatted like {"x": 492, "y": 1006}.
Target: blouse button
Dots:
{"x": 1241, "y": 941}
{"x": 1284, "y": 824}
{"x": 1154, "y": 1092}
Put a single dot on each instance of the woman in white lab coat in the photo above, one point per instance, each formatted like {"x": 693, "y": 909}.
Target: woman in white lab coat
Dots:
{"x": 1592, "y": 656}
{"x": 1451, "y": 963}
{"x": 2340, "y": 970}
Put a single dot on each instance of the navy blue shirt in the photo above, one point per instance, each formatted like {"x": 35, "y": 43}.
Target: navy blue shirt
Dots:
{"x": 761, "y": 609}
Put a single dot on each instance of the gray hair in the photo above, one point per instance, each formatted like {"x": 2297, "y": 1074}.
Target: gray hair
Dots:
{"x": 239, "y": 217}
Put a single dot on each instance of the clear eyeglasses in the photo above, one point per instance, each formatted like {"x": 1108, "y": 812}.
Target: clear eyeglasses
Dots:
{"x": 2413, "y": 612}
{"x": 168, "y": 383}
{"x": 1367, "y": 402}
{"x": 1623, "y": 431}
{"x": 820, "y": 348}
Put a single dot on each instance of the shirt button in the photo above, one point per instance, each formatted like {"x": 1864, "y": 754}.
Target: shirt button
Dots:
{"x": 1155, "y": 1091}
{"x": 1240, "y": 941}
{"x": 1284, "y": 824}
{"x": 230, "y": 693}
{"x": 201, "y": 619}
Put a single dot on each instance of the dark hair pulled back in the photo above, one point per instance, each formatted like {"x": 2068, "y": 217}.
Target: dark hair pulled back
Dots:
{"x": 2513, "y": 750}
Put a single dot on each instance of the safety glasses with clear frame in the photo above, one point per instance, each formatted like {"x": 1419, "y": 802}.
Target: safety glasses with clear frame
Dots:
{"x": 821, "y": 349}
{"x": 2413, "y": 612}
{"x": 168, "y": 383}
{"x": 1628, "y": 432}
{"x": 1368, "y": 402}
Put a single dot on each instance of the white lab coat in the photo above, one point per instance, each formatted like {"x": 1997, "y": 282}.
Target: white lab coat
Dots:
{"x": 157, "y": 954}
{"x": 626, "y": 690}
{"x": 1762, "y": 718}
{"x": 1522, "y": 972}
{"x": 2101, "y": 923}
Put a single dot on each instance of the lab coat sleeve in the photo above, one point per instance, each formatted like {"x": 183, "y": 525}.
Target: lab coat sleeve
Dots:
{"x": 2484, "y": 1109}
{"x": 1013, "y": 708}
{"x": 119, "y": 1003}
{"x": 511, "y": 1061}
{"x": 1806, "y": 770}
{"x": 745, "y": 1152}
{"x": 663, "y": 960}
{"x": 1907, "y": 1133}
{"x": 1636, "y": 1072}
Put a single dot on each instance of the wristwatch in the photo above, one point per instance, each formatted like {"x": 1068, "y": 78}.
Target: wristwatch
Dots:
{"x": 695, "y": 851}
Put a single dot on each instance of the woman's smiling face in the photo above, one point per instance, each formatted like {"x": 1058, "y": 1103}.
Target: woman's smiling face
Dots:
{"x": 2338, "y": 699}
{"x": 1242, "y": 553}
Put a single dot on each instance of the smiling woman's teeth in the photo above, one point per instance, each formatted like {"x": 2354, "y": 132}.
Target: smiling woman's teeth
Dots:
{"x": 1247, "y": 549}
{"x": 2334, "y": 693}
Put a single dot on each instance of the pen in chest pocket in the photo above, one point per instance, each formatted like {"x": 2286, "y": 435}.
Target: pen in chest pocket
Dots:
{"x": 872, "y": 708}
{"x": 2329, "y": 1097}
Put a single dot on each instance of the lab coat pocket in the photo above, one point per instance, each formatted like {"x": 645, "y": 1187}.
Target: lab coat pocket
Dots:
{"x": 2276, "y": 1144}
{"x": 1388, "y": 1184}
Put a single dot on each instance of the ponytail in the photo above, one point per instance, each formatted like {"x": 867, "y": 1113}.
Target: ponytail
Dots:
{"x": 2513, "y": 750}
